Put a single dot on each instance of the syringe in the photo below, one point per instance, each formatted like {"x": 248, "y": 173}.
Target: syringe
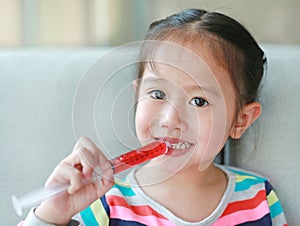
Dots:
{"x": 119, "y": 164}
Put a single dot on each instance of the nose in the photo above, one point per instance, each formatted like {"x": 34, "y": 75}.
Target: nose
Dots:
{"x": 172, "y": 118}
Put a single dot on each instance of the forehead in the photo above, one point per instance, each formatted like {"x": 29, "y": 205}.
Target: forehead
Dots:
{"x": 196, "y": 58}
{"x": 171, "y": 74}
{"x": 194, "y": 63}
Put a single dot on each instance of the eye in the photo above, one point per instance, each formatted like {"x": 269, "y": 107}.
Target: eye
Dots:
{"x": 157, "y": 94}
{"x": 199, "y": 102}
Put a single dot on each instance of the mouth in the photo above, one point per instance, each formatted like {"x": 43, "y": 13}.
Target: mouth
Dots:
{"x": 176, "y": 147}
{"x": 179, "y": 145}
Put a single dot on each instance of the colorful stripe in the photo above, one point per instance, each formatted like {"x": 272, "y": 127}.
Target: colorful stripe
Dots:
{"x": 88, "y": 217}
{"x": 124, "y": 190}
{"x": 96, "y": 214}
{"x": 142, "y": 210}
{"x": 245, "y": 204}
{"x": 242, "y": 216}
{"x": 276, "y": 209}
{"x": 119, "y": 212}
{"x": 266, "y": 220}
{"x": 115, "y": 222}
{"x": 101, "y": 216}
{"x": 273, "y": 201}
{"x": 252, "y": 201}
{"x": 245, "y": 182}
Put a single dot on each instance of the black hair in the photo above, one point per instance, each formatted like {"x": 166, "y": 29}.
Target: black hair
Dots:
{"x": 231, "y": 43}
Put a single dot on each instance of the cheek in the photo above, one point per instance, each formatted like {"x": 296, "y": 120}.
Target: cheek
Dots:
{"x": 212, "y": 133}
{"x": 202, "y": 129}
{"x": 143, "y": 118}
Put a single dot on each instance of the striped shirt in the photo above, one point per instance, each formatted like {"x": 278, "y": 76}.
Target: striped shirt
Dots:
{"x": 248, "y": 200}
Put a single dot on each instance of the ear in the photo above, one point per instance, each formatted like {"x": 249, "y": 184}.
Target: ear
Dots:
{"x": 135, "y": 86}
{"x": 248, "y": 114}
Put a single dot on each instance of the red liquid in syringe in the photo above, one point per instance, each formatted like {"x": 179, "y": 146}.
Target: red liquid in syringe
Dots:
{"x": 138, "y": 156}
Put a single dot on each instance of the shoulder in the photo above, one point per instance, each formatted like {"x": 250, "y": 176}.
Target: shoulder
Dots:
{"x": 244, "y": 179}
{"x": 255, "y": 193}
{"x": 247, "y": 186}
{"x": 249, "y": 182}
{"x": 242, "y": 172}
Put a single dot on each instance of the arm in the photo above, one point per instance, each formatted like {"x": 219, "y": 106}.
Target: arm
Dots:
{"x": 33, "y": 220}
{"x": 276, "y": 210}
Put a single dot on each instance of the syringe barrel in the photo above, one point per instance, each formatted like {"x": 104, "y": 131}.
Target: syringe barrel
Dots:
{"x": 138, "y": 156}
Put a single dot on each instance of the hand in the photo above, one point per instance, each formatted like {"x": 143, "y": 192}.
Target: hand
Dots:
{"x": 74, "y": 169}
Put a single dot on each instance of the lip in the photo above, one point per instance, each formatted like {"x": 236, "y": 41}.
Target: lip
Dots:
{"x": 172, "y": 143}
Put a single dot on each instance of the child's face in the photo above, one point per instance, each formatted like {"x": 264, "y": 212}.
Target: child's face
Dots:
{"x": 190, "y": 104}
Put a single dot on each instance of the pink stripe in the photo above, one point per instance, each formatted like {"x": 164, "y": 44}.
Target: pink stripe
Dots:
{"x": 124, "y": 213}
{"x": 244, "y": 215}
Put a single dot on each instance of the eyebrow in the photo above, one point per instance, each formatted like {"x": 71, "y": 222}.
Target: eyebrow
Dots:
{"x": 153, "y": 79}
{"x": 202, "y": 88}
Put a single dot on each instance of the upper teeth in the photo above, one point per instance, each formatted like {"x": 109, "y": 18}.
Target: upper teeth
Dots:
{"x": 180, "y": 145}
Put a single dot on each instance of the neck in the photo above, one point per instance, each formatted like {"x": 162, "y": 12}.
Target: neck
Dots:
{"x": 190, "y": 176}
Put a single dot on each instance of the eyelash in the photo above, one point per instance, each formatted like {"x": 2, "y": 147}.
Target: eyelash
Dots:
{"x": 154, "y": 92}
{"x": 201, "y": 102}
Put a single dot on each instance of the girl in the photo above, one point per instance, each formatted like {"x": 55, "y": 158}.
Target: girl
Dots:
{"x": 199, "y": 75}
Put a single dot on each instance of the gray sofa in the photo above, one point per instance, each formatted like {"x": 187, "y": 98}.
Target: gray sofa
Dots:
{"x": 45, "y": 105}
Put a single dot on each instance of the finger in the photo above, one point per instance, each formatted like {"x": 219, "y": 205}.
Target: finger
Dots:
{"x": 88, "y": 144}
{"x": 75, "y": 178}
{"x": 108, "y": 178}
{"x": 88, "y": 162}
{"x": 97, "y": 155}
{"x": 104, "y": 183}
{"x": 66, "y": 173}
{"x": 91, "y": 165}
{"x": 82, "y": 159}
